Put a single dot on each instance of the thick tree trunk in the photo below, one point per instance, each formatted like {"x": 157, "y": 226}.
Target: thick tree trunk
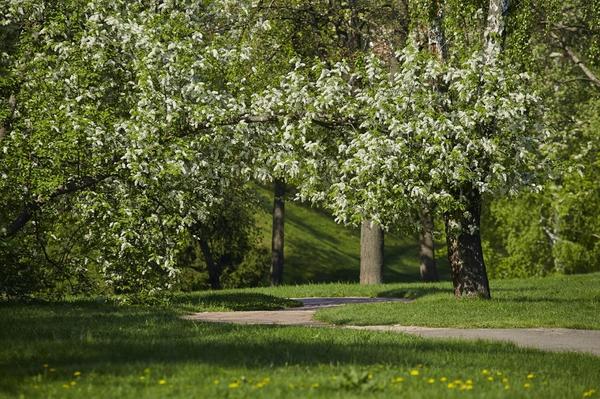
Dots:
{"x": 214, "y": 272}
{"x": 278, "y": 232}
{"x": 371, "y": 253}
{"x": 428, "y": 266}
{"x": 469, "y": 275}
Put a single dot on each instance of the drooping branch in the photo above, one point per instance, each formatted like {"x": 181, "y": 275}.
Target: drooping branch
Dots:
{"x": 29, "y": 209}
{"x": 577, "y": 61}
{"x": 258, "y": 119}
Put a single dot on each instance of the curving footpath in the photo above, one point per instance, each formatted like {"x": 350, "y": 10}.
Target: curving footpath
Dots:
{"x": 549, "y": 339}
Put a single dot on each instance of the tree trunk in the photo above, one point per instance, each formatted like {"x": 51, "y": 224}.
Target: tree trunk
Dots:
{"x": 436, "y": 34}
{"x": 469, "y": 275}
{"x": 278, "y": 232}
{"x": 214, "y": 272}
{"x": 494, "y": 31}
{"x": 371, "y": 253}
{"x": 428, "y": 266}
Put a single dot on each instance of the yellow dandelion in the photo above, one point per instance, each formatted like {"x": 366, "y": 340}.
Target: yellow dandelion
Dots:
{"x": 162, "y": 382}
{"x": 77, "y": 373}
{"x": 234, "y": 385}
{"x": 370, "y": 376}
{"x": 506, "y": 387}
{"x": 431, "y": 380}
{"x": 414, "y": 372}
{"x": 397, "y": 380}
{"x": 468, "y": 387}
{"x": 66, "y": 386}
{"x": 485, "y": 372}
{"x": 490, "y": 379}
{"x": 530, "y": 376}
{"x": 142, "y": 378}
{"x": 443, "y": 379}
{"x": 451, "y": 385}
{"x": 505, "y": 380}
{"x": 498, "y": 373}
{"x": 589, "y": 393}
{"x": 73, "y": 383}
{"x": 526, "y": 386}
{"x": 216, "y": 382}
{"x": 315, "y": 385}
{"x": 469, "y": 382}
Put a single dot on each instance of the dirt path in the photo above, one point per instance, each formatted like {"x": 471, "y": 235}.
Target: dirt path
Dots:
{"x": 550, "y": 339}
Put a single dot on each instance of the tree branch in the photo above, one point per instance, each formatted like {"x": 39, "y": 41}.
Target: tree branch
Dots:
{"x": 30, "y": 208}
{"x": 577, "y": 61}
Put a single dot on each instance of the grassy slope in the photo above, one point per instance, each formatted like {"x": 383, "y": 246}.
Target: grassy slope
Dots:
{"x": 95, "y": 350}
{"x": 319, "y": 250}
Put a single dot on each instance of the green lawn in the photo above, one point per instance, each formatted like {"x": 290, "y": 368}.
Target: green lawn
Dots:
{"x": 559, "y": 301}
{"x": 319, "y": 250}
{"x": 97, "y": 350}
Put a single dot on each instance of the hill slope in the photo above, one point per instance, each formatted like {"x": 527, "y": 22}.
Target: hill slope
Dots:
{"x": 319, "y": 250}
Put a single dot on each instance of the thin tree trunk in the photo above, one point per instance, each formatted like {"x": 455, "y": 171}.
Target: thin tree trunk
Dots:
{"x": 428, "y": 266}
{"x": 277, "y": 239}
{"x": 214, "y": 272}
{"x": 371, "y": 253}
{"x": 469, "y": 275}
{"x": 4, "y": 128}
{"x": 436, "y": 37}
{"x": 494, "y": 31}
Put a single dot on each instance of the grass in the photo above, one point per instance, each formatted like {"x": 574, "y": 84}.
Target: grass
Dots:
{"x": 559, "y": 301}
{"x": 98, "y": 350}
{"x": 333, "y": 249}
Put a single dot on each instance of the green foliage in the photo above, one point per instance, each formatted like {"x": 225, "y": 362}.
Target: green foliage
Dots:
{"x": 357, "y": 380}
{"x": 233, "y": 241}
{"x": 135, "y": 125}
{"x": 557, "y": 229}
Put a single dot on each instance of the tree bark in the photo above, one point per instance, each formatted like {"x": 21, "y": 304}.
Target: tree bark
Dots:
{"x": 469, "y": 275}
{"x": 371, "y": 253}
{"x": 436, "y": 34}
{"x": 428, "y": 266}
{"x": 277, "y": 238}
{"x": 29, "y": 208}
{"x": 214, "y": 274}
{"x": 494, "y": 31}
{"x": 4, "y": 128}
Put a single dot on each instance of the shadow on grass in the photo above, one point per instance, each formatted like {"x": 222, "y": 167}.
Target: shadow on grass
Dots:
{"x": 243, "y": 301}
{"x": 125, "y": 340}
{"x": 414, "y": 292}
{"x": 325, "y": 263}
